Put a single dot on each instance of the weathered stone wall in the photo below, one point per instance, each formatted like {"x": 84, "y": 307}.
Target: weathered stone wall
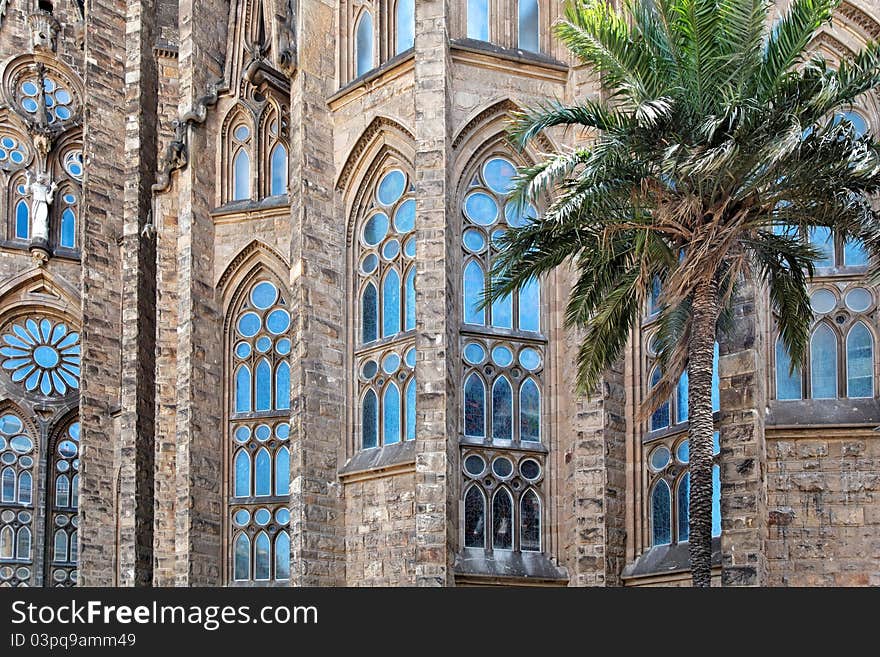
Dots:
{"x": 823, "y": 508}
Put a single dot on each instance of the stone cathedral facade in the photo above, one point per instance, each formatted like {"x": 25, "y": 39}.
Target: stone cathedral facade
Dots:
{"x": 240, "y": 248}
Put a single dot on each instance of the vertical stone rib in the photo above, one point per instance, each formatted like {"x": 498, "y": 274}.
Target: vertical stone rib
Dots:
{"x": 436, "y": 303}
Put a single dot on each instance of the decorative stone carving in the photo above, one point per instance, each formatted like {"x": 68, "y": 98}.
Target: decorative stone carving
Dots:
{"x": 44, "y": 30}
{"x": 42, "y": 191}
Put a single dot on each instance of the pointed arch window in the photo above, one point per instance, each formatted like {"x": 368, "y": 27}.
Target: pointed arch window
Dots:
{"x": 62, "y": 519}
{"x": 478, "y": 20}
{"x": 859, "y": 362}
{"x": 363, "y": 44}
{"x": 19, "y": 209}
{"x": 405, "y": 19}
{"x": 16, "y": 500}
{"x": 259, "y": 345}
{"x": 823, "y": 363}
{"x": 239, "y": 149}
{"x": 528, "y": 25}
{"x": 385, "y": 356}
{"x": 661, "y": 515}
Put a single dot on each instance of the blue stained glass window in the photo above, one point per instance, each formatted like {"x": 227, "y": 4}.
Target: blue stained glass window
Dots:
{"x": 410, "y": 300}
{"x": 391, "y": 187}
{"x": 282, "y": 472}
{"x": 474, "y": 407}
{"x": 391, "y": 304}
{"x": 369, "y": 314}
{"x": 411, "y": 410}
{"x": 716, "y": 381}
{"x": 8, "y": 485}
{"x": 859, "y": 362}
{"x": 530, "y": 522}
{"x": 474, "y": 282}
{"x": 502, "y": 520}
{"x": 474, "y": 518}
{"x": 478, "y": 19}
{"x": 406, "y": 25}
{"x": 661, "y": 531}
{"x": 282, "y": 386}
{"x": 684, "y": 526}
{"x": 823, "y": 363}
{"x": 68, "y": 228}
{"x": 242, "y": 474}
{"x": 263, "y": 386}
{"x": 502, "y": 312}
{"x": 716, "y": 501}
{"x": 363, "y": 48}
{"x": 502, "y": 409}
{"x": 530, "y": 306}
{"x": 242, "y": 390}
{"x": 682, "y": 398}
{"x": 529, "y": 411}
{"x": 22, "y": 220}
{"x": 241, "y": 176}
{"x": 24, "y": 488}
{"x": 660, "y": 417}
{"x": 261, "y": 557}
{"x": 654, "y": 298}
{"x": 242, "y": 558}
{"x": 278, "y": 171}
{"x": 370, "y": 420}
{"x": 263, "y": 473}
{"x": 391, "y": 415}
{"x": 282, "y": 556}
{"x": 822, "y": 239}
{"x": 854, "y": 253}
{"x": 528, "y": 25}
{"x": 788, "y": 383}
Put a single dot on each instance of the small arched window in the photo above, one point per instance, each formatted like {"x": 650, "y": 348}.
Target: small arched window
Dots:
{"x": 478, "y": 19}
{"x": 239, "y": 152}
{"x": 474, "y": 284}
{"x": 661, "y": 532}
{"x": 278, "y": 170}
{"x": 683, "y": 507}
{"x": 528, "y": 25}
{"x": 502, "y": 520}
{"x": 660, "y": 417}
{"x": 22, "y": 220}
{"x": 822, "y": 239}
{"x": 66, "y": 205}
{"x": 859, "y": 362}
{"x": 530, "y": 522}
{"x": 363, "y": 46}
{"x": 502, "y": 409}
{"x": 406, "y": 25}
{"x": 474, "y": 406}
{"x": 789, "y": 383}
{"x": 823, "y": 363}
{"x": 474, "y": 518}
{"x": 530, "y": 411}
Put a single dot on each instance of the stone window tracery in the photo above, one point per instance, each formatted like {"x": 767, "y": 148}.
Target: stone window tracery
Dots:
{"x": 62, "y": 520}
{"x": 42, "y": 355}
{"x": 259, "y": 433}
{"x": 363, "y": 44}
{"x": 385, "y": 355}
{"x": 18, "y": 455}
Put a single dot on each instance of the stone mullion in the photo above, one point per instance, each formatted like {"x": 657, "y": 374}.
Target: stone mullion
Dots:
{"x": 101, "y": 289}
{"x": 139, "y": 295}
{"x": 437, "y": 478}
{"x": 318, "y": 299}
{"x": 199, "y": 462}
{"x": 743, "y": 387}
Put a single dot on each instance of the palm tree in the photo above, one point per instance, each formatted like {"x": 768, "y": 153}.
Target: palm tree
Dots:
{"x": 719, "y": 143}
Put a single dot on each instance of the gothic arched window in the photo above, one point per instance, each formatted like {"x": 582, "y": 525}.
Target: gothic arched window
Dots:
{"x": 405, "y": 17}
{"x": 478, "y": 20}
{"x": 62, "y": 495}
{"x": 259, "y": 432}
{"x": 528, "y": 25}
{"x": 273, "y": 146}
{"x": 239, "y": 151}
{"x": 18, "y": 457}
{"x": 385, "y": 273}
{"x": 19, "y": 209}
{"x": 363, "y": 44}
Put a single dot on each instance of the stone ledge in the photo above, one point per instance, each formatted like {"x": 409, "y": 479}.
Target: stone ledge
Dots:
{"x": 406, "y": 57}
{"x": 667, "y": 559}
{"x": 512, "y": 54}
{"x": 377, "y": 462}
{"x": 241, "y": 209}
{"x": 822, "y": 413}
{"x": 505, "y": 567}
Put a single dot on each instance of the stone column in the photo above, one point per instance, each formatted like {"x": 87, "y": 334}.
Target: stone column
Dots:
{"x": 102, "y": 223}
{"x": 318, "y": 300}
{"x": 199, "y": 458}
{"x": 742, "y": 369}
{"x": 437, "y": 311}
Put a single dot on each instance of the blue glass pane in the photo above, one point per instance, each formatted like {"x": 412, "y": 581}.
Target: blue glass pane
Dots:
{"x": 681, "y": 406}
{"x": 249, "y": 324}
{"x": 716, "y": 501}
{"x": 242, "y": 390}
{"x": 8, "y": 492}
{"x": 654, "y": 299}
{"x": 410, "y": 357}
{"x": 391, "y": 187}
{"x": 263, "y": 473}
{"x": 474, "y": 518}
{"x": 261, "y": 557}
{"x": 22, "y": 221}
{"x": 684, "y": 526}
{"x": 370, "y": 419}
{"x": 822, "y": 239}
{"x": 859, "y": 362}
{"x": 405, "y": 217}
{"x": 823, "y": 363}
{"x": 474, "y": 282}
{"x": 282, "y": 556}
{"x": 279, "y": 170}
{"x": 854, "y": 254}
{"x": 502, "y": 356}
{"x": 502, "y": 312}
{"x": 474, "y": 407}
{"x": 502, "y": 521}
{"x": 410, "y": 300}
{"x": 683, "y": 453}
{"x": 391, "y": 249}
{"x": 716, "y": 442}
{"x": 858, "y": 122}
{"x": 278, "y": 321}
{"x": 263, "y": 386}
{"x": 411, "y": 410}
{"x": 68, "y": 228}
{"x": 529, "y": 411}
{"x": 391, "y": 415}
{"x": 478, "y": 19}
{"x": 24, "y": 488}
{"x": 282, "y": 386}
{"x": 528, "y": 25}
{"x": 474, "y": 240}
{"x": 530, "y": 306}
{"x": 242, "y": 558}
{"x": 406, "y": 25}
{"x": 241, "y": 176}
{"x": 716, "y": 381}
{"x": 282, "y": 472}
{"x": 502, "y": 409}
{"x": 498, "y": 174}
{"x": 660, "y": 417}
{"x": 364, "y": 44}
{"x": 391, "y": 304}
{"x": 481, "y": 208}
{"x": 390, "y": 363}
{"x": 661, "y": 530}
{"x": 788, "y": 383}
{"x": 242, "y": 474}
{"x": 474, "y": 353}
{"x": 376, "y": 228}
{"x": 369, "y": 314}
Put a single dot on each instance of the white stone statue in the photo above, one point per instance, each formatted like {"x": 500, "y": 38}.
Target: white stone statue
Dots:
{"x": 42, "y": 190}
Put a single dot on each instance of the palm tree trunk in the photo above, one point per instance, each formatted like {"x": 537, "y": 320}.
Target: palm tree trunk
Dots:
{"x": 700, "y": 357}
